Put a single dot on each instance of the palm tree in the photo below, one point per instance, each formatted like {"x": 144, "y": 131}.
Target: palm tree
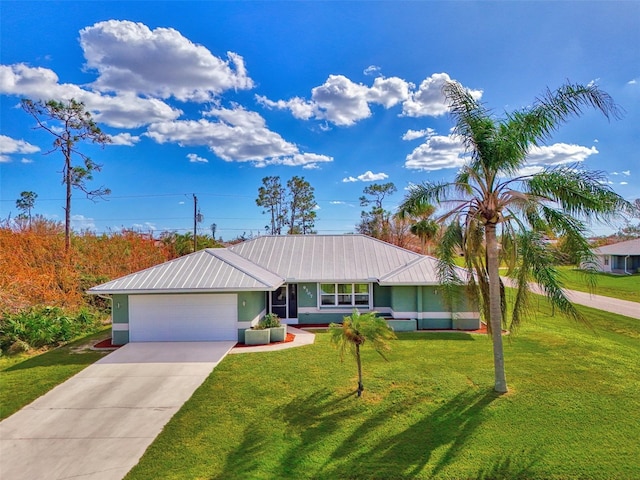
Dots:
{"x": 423, "y": 227}
{"x": 490, "y": 197}
{"x": 355, "y": 331}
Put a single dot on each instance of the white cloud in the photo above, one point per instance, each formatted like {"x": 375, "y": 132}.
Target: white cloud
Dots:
{"x": 236, "y": 135}
{"x": 624, "y": 183}
{"x": 429, "y": 100}
{"x": 193, "y": 158}
{"x": 124, "y": 139}
{"x": 5, "y": 159}
{"x": 337, "y": 202}
{"x": 300, "y": 108}
{"x": 436, "y": 153}
{"x": 414, "y": 134}
{"x": 530, "y": 170}
{"x": 632, "y": 82}
{"x": 162, "y": 63}
{"x": 367, "y": 176}
{"x": 626, "y": 172}
{"x": 372, "y": 70}
{"x": 80, "y": 222}
{"x": 559, "y": 154}
{"x": 26, "y": 160}
{"x": 124, "y": 110}
{"x": 389, "y": 91}
{"x": 146, "y": 226}
{"x": 10, "y": 146}
{"x": 343, "y": 102}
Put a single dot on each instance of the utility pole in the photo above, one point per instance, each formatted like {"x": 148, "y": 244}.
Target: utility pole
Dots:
{"x": 195, "y": 222}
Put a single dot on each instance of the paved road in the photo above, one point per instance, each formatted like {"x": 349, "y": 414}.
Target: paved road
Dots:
{"x": 97, "y": 424}
{"x": 608, "y": 304}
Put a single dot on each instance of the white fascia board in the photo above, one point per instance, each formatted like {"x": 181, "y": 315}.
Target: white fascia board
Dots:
{"x": 178, "y": 290}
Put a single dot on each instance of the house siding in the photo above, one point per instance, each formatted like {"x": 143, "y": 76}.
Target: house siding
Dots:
{"x": 381, "y": 296}
{"x": 427, "y": 304}
{"x": 424, "y": 303}
{"x": 252, "y": 306}
{"x": 120, "y": 319}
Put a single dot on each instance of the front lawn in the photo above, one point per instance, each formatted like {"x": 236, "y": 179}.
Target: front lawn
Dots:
{"x": 573, "y": 410}
{"x": 624, "y": 287}
{"x": 24, "y": 378}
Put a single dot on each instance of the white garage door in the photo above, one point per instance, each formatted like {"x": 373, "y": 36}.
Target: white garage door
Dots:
{"x": 183, "y": 318}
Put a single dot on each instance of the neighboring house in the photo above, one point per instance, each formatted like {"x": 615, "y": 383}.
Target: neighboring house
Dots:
{"x": 622, "y": 258}
{"x": 214, "y": 294}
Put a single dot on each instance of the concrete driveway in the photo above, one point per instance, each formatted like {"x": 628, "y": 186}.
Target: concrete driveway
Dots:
{"x": 97, "y": 424}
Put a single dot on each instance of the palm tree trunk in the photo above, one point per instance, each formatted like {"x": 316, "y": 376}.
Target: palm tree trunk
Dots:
{"x": 360, "y": 386}
{"x": 495, "y": 312}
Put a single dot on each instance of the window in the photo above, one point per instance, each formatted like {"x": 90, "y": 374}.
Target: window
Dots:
{"x": 606, "y": 260}
{"x": 344, "y": 294}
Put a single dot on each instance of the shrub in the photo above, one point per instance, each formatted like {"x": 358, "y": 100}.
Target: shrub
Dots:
{"x": 270, "y": 320}
{"x": 38, "y": 327}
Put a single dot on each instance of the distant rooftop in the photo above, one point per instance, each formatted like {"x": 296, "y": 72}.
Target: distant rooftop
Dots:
{"x": 630, "y": 247}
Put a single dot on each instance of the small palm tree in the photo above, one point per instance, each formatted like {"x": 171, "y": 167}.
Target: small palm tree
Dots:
{"x": 357, "y": 329}
{"x": 497, "y": 214}
{"x": 423, "y": 226}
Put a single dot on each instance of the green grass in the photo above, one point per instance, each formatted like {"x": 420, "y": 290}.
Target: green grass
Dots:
{"x": 624, "y": 287}
{"x": 572, "y": 413}
{"x": 24, "y": 378}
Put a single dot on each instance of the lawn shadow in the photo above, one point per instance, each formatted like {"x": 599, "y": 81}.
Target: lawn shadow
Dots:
{"x": 431, "y": 336}
{"x": 514, "y": 466}
{"x": 407, "y": 453}
{"x": 311, "y": 418}
{"x": 246, "y": 459}
{"x": 66, "y": 358}
{"x": 315, "y": 422}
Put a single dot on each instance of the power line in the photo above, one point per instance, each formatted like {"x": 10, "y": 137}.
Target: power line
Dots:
{"x": 158, "y": 195}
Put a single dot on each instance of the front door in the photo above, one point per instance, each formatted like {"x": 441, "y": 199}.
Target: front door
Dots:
{"x": 284, "y": 301}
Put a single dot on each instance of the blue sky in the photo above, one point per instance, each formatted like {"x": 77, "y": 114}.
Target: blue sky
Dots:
{"x": 210, "y": 97}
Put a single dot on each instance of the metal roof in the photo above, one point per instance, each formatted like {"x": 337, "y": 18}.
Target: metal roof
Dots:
{"x": 330, "y": 258}
{"x": 210, "y": 270}
{"x": 630, "y": 247}
{"x": 265, "y": 263}
{"x": 423, "y": 271}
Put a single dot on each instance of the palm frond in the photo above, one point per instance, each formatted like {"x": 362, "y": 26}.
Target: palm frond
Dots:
{"x": 579, "y": 192}
{"x": 531, "y": 125}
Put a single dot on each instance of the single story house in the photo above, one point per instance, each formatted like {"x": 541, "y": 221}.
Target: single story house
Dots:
{"x": 217, "y": 293}
{"x": 621, "y": 258}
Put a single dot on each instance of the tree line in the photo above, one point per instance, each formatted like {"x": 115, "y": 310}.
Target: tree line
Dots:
{"x": 291, "y": 207}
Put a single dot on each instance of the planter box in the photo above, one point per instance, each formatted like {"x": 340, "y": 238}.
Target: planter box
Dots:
{"x": 278, "y": 334}
{"x": 466, "y": 323}
{"x": 257, "y": 337}
{"x": 408, "y": 325}
{"x": 435, "y": 324}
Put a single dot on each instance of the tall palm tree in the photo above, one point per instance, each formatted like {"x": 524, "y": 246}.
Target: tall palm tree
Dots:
{"x": 496, "y": 213}
{"x": 357, "y": 329}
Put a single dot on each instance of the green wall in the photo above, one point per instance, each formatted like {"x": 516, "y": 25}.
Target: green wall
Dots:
{"x": 381, "y": 296}
{"x": 250, "y": 304}
{"x": 403, "y": 299}
{"x": 120, "y": 314}
{"x": 307, "y": 294}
